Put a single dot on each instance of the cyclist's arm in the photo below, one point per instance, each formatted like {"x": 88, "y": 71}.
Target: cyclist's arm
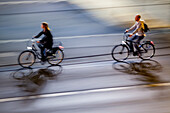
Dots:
{"x": 37, "y": 36}
{"x": 138, "y": 26}
{"x": 44, "y": 39}
{"x": 133, "y": 27}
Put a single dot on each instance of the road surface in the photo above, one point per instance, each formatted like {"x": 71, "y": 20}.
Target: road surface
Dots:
{"x": 88, "y": 80}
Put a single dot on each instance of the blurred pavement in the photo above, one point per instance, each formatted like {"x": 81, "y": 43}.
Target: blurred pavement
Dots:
{"x": 90, "y": 82}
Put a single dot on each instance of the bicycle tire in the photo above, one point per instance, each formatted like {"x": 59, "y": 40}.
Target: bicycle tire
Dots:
{"x": 118, "y": 51}
{"x": 26, "y": 64}
{"x": 147, "y": 51}
{"x": 54, "y": 60}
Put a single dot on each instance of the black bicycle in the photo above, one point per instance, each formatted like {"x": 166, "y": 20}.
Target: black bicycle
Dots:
{"x": 122, "y": 51}
{"x": 28, "y": 57}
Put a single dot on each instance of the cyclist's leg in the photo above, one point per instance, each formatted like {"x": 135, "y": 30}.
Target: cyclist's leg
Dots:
{"x": 43, "y": 57}
{"x": 49, "y": 47}
{"x": 139, "y": 38}
{"x": 42, "y": 48}
{"x": 131, "y": 43}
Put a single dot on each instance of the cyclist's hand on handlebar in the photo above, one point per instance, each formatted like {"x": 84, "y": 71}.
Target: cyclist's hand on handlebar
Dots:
{"x": 38, "y": 41}
{"x": 130, "y": 35}
{"x": 33, "y": 37}
{"x": 126, "y": 31}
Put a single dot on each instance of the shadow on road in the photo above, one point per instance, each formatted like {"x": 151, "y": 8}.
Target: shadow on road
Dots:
{"x": 34, "y": 80}
{"x": 147, "y": 72}
{"x": 146, "y": 69}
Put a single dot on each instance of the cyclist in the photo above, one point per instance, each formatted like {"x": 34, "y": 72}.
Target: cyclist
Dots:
{"x": 46, "y": 41}
{"x": 138, "y": 34}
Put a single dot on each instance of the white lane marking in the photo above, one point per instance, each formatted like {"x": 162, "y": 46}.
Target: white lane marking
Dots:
{"x": 8, "y": 54}
{"x": 55, "y": 38}
{"x": 30, "y": 2}
{"x": 84, "y": 36}
{"x": 69, "y": 37}
{"x": 88, "y": 65}
{"x": 13, "y": 41}
{"x": 80, "y": 92}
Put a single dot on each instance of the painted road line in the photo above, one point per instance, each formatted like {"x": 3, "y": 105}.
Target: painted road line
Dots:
{"x": 30, "y": 2}
{"x": 57, "y": 38}
{"x": 69, "y": 37}
{"x": 80, "y": 92}
{"x": 8, "y": 54}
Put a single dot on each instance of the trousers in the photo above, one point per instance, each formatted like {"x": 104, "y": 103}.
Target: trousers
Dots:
{"x": 43, "y": 52}
{"x": 136, "y": 40}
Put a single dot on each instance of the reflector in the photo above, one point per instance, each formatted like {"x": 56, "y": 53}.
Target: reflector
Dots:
{"x": 61, "y": 47}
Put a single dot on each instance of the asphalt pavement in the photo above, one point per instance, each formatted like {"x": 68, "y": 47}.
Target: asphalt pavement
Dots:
{"x": 88, "y": 80}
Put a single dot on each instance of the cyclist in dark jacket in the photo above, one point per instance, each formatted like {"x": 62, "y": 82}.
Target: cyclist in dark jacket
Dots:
{"x": 46, "y": 41}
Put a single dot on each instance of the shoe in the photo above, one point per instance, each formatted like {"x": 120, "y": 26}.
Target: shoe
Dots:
{"x": 44, "y": 59}
{"x": 135, "y": 53}
{"x": 43, "y": 62}
{"x": 130, "y": 51}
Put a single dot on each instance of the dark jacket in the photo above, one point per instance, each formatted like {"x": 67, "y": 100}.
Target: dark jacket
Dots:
{"x": 47, "y": 40}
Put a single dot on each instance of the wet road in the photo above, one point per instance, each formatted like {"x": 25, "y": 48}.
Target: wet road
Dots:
{"x": 94, "y": 84}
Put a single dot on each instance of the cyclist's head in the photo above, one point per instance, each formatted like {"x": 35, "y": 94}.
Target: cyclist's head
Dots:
{"x": 137, "y": 17}
{"x": 44, "y": 25}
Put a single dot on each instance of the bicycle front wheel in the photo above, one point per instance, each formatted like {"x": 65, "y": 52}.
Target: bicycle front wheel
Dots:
{"x": 26, "y": 59}
{"x": 120, "y": 52}
{"x": 147, "y": 51}
{"x": 56, "y": 58}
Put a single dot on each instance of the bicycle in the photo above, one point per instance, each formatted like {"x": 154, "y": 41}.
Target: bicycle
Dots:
{"x": 28, "y": 57}
{"x": 122, "y": 51}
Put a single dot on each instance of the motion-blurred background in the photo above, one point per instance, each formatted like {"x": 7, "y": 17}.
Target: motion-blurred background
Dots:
{"x": 121, "y": 12}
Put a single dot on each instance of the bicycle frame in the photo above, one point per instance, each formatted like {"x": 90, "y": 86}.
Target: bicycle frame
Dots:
{"x": 34, "y": 49}
{"x": 28, "y": 57}
{"x": 125, "y": 41}
{"x": 124, "y": 47}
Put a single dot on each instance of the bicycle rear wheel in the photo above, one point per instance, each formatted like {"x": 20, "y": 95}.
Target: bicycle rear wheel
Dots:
{"x": 120, "y": 52}
{"x": 147, "y": 51}
{"x": 26, "y": 59}
{"x": 56, "y": 58}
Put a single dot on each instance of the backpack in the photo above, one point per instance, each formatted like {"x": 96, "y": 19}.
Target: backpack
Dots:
{"x": 146, "y": 29}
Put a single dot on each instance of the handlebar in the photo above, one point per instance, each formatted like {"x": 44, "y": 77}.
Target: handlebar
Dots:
{"x": 30, "y": 42}
{"x": 125, "y": 32}
{"x": 125, "y": 36}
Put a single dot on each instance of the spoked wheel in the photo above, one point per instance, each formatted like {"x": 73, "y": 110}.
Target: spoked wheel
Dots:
{"x": 56, "y": 57}
{"x": 120, "y": 52}
{"x": 147, "y": 51}
{"x": 26, "y": 59}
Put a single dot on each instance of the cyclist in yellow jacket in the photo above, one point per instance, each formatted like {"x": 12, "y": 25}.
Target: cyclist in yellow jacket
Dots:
{"x": 138, "y": 33}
